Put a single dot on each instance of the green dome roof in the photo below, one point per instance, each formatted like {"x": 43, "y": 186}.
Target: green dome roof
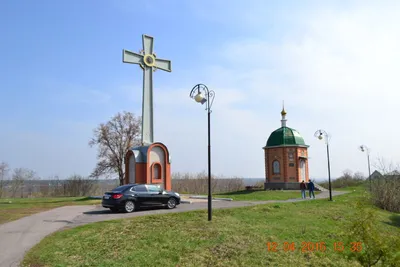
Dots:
{"x": 285, "y": 136}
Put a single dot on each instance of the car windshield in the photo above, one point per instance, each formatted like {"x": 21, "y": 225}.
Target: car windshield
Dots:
{"x": 121, "y": 188}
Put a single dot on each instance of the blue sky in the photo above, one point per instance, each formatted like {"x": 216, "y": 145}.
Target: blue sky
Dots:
{"x": 61, "y": 74}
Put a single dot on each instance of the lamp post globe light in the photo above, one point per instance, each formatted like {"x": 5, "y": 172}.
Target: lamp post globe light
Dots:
{"x": 321, "y": 134}
{"x": 364, "y": 148}
{"x": 201, "y": 94}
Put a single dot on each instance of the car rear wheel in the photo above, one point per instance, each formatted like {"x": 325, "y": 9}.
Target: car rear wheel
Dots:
{"x": 171, "y": 203}
{"x": 129, "y": 206}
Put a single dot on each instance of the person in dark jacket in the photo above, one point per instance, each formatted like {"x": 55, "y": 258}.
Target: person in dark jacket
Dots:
{"x": 303, "y": 188}
{"x": 311, "y": 188}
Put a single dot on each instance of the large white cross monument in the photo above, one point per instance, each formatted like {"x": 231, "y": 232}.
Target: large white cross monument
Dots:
{"x": 147, "y": 60}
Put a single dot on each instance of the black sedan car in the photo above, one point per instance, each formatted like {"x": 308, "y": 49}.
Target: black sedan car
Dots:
{"x": 129, "y": 197}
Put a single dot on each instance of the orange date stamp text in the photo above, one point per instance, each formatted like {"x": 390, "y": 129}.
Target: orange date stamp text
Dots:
{"x": 313, "y": 246}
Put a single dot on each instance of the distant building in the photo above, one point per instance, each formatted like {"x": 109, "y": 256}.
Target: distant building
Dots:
{"x": 377, "y": 175}
{"x": 286, "y": 158}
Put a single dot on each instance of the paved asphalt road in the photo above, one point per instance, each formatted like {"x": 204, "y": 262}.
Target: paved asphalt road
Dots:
{"x": 17, "y": 237}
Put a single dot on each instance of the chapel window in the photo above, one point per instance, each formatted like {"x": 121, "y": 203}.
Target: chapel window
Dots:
{"x": 276, "y": 167}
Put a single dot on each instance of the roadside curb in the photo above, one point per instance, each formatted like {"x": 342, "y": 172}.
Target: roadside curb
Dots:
{"x": 95, "y": 197}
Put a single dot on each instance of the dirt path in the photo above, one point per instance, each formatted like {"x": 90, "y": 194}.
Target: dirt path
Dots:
{"x": 17, "y": 237}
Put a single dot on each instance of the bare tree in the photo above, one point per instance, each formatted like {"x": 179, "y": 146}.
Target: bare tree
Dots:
{"x": 55, "y": 187}
{"x": 4, "y": 169}
{"x": 30, "y": 186}
{"x": 386, "y": 187}
{"x": 359, "y": 176}
{"x": 77, "y": 185}
{"x": 347, "y": 174}
{"x": 384, "y": 166}
{"x": 113, "y": 139}
{"x": 19, "y": 177}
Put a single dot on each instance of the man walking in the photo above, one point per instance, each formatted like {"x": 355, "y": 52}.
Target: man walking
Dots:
{"x": 303, "y": 189}
{"x": 311, "y": 189}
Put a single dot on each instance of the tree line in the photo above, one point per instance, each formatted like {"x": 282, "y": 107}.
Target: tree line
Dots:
{"x": 24, "y": 182}
{"x": 114, "y": 137}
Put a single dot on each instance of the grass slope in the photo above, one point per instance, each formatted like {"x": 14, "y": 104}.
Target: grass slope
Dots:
{"x": 15, "y": 208}
{"x": 235, "y": 237}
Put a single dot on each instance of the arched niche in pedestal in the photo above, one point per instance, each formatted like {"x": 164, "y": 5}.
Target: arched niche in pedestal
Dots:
{"x": 159, "y": 165}
{"x": 148, "y": 164}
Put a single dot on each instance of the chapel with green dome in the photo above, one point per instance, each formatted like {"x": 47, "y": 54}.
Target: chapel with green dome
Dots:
{"x": 286, "y": 158}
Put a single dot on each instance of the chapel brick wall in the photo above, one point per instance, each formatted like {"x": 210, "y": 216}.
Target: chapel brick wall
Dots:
{"x": 289, "y": 158}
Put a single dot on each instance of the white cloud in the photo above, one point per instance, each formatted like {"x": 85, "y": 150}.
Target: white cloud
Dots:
{"x": 340, "y": 75}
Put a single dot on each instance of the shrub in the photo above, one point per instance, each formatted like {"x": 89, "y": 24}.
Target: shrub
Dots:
{"x": 347, "y": 179}
{"x": 198, "y": 183}
{"x": 77, "y": 186}
{"x": 374, "y": 249}
{"x": 386, "y": 192}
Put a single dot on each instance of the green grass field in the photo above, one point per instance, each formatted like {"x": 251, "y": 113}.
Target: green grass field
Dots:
{"x": 15, "y": 208}
{"x": 235, "y": 237}
{"x": 262, "y": 195}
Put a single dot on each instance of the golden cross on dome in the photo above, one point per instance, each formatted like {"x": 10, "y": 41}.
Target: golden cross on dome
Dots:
{"x": 283, "y": 108}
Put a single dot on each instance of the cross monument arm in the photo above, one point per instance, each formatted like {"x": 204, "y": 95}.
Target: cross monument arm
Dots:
{"x": 163, "y": 64}
{"x": 131, "y": 57}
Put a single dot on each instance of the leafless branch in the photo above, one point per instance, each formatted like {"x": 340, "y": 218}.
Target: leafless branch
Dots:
{"x": 19, "y": 177}
{"x": 113, "y": 139}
